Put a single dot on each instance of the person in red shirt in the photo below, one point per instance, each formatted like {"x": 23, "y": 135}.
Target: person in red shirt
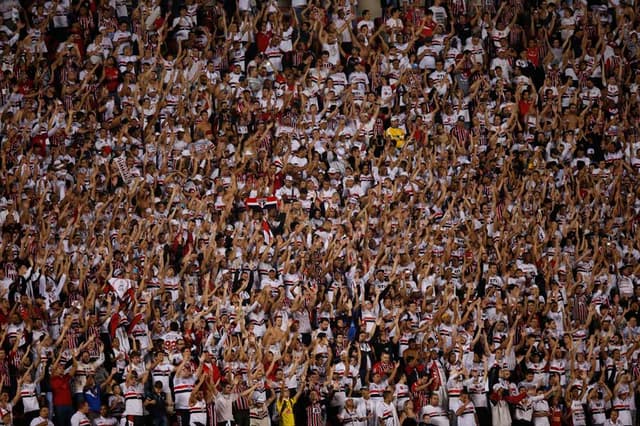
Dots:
{"x": 525, "y": 105}
{"x": 420, "y": 392}
{"x": 263, "y": 38}
{"x": 418, "y": 132}
{"x": 428, "y": 25}
{"x": 385, "y": 367}
{"x": 556, "y": 411}
{"x": 210, "y": 368}
{"x": 5, "y": 309}
{"x": 533, "y": 53}
{"x": 111, "y": 74}
{"x": 61, "y": 389}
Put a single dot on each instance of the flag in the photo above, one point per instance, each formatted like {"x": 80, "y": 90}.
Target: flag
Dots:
{"x": 266, "y": 230}
{"x": 123, "y": 169}
{"x": 114, "y": 322}
{"x": 262, "y": 203}
{"x": 134, "y": 321}
{"x": 120, "y": 286}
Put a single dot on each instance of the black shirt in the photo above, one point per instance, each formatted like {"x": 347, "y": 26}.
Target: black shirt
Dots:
{"x": 160, "y": 406}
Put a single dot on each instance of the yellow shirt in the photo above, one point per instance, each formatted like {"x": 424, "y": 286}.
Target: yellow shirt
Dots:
{"x": 285, "y": 408}
{"x": 396, "y": 134}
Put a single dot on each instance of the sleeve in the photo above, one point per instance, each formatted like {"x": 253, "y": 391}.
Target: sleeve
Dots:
{"x": 515, "y": 399}
{"x": 97, "y": 363}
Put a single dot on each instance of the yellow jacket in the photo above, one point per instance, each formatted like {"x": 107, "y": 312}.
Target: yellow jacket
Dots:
{"x": 397, "y": 135}
{"x": 285, "y": 409}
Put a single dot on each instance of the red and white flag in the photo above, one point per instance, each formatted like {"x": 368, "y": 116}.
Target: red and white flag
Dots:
{"x": 262, "y": 203}
{"x": 266, "y": 230}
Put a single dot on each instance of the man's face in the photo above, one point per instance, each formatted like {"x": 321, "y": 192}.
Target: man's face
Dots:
{"x": 59, "y": 370}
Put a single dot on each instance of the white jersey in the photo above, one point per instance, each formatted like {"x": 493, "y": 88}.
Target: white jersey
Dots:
{"x": 198, "y": 413}
{"x": 80, "y": 419}
{"x": 182, "y": 388}
{"x": 478, "y": 389}
{"x": 577, "y": 414}
{"x": 437, "y": 415}
{"x": 387, "y": 414}
{"x": 365, "y": 408}
{"x": 133, "y": 396}
{"x": 468, "y": 416}
{"x": 161, "y": 373}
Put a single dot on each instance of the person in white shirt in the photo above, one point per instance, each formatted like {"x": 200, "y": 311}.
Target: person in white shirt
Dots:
{"x": 614, "y": 419}
{"x": 478, "y": 388}
{"x": 183, "y": 384}
{"x": 367, "y": 22}
{"x": 386, "y": 411}
{"x": 42, "y": 419}
{"x": 224, "y": 401}
{"x": 437, "y": 415}
{"x": 198, "y": 405}
{"x": 541, "y": 411}
{"x": 80, "y": 417}
{"x": 27, "y": 392}
{"x": 288, "y": 193}
{"x": 466, "y": 412}
{"x": 104, "y": 419}
{"x": 365, "y": 406}
{"x": 85, "y": 368}
{"x": 623, "y": 400}
{"x": 133, "y": 389}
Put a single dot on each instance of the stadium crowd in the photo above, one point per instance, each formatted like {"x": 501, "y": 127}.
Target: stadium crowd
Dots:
{"x": 243, "y": 213}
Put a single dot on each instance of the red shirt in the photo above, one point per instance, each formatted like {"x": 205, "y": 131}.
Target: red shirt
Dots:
{"x": 25, "y": 87}
{"x": 419, "y": 136}
{"x": 556, "y": 416}
{"x": 213, "y": 371}
{"x": 524, "y": 107}
{"x": 4, "y": 317}
{"x": 61, "y": 387}
{"x": 427, "y": 29}
{"x": 533, "y": 55}
{"x": 383, "y": 368}
{"x": 262, "y": 41}
{"x": 111, "y": 76}
{"x": 420, "y": 397}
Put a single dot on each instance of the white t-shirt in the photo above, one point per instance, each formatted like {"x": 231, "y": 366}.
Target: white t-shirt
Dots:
{"x": 387, "y": 415}
{"x": 439, "y": 15}
{"x": 437, "y": 416}
{"x": 182, "y": 387}
{"x": 38, "y": 420}
{"x": 468, "y": 416}
{"x": 105, "y": 421}
{"x": 133, "y": 399}
{"x": 80, "y": 419}
{"x": 29, "y": 397}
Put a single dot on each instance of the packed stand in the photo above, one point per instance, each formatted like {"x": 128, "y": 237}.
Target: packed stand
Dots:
{"x": 239, "y": 213}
